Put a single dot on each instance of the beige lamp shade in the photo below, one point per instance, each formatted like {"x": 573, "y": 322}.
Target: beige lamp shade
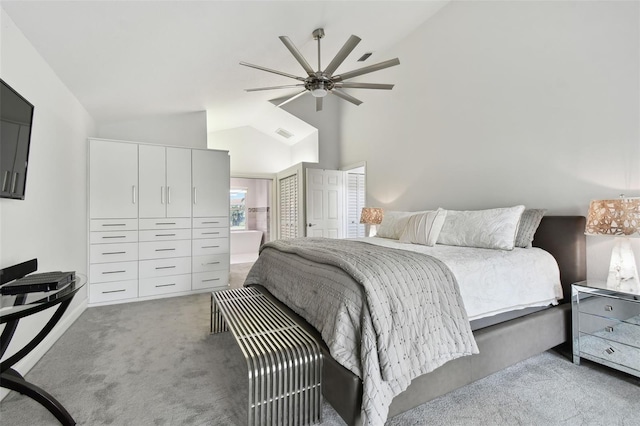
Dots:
{"x": 371, "y": 215}
{"x": 619, "y": 217}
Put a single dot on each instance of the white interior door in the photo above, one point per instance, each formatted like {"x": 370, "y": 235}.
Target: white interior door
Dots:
{"x": 355, "y": 202}
{"x": 325, "y": 192}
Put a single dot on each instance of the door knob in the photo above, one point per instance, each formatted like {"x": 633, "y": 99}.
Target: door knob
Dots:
{"x": 312, "y": 224}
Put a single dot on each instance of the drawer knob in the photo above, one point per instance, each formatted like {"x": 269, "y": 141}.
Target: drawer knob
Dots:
{"x": 609, "y": 329}
{"x": 608, "y": 308}
{"x": 609, "y": 351}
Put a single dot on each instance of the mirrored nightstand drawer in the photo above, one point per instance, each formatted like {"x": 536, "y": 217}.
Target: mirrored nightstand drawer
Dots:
{"x": 617, "y": 331}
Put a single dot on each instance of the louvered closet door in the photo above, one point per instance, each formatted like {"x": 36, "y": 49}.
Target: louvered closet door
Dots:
{"x": 355, "y": 203}
{"x": 289, "y": 207}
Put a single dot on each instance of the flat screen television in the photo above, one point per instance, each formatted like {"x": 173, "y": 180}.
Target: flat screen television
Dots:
{"x": 16, "y": 117}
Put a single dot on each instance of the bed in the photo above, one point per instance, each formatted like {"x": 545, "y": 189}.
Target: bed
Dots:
{"x": 502, "y": 338}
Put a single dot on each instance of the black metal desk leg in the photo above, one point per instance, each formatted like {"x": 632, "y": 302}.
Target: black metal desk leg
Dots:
{"x": 11, "y": 379}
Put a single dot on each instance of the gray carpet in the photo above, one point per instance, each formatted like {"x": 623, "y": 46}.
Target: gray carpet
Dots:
{"x": 155, "y": 363}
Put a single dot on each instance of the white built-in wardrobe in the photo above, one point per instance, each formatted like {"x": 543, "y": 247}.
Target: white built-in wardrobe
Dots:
{"x": 158, "y": 221}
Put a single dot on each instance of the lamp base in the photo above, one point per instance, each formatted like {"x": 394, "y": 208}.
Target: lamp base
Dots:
{"x": 372, "y": 231}
{"x": 623, "y": 273}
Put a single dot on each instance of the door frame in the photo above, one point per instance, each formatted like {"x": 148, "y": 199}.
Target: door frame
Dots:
{"x": 274, "y": 204}
{"x": 346, "y": 169}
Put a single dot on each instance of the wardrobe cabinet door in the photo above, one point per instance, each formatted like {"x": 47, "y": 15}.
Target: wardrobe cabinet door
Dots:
{"x": 113, "y": 175}
{"x": 178, "y": 182}
{"x": 210, "y": 174}
{"x": 152, "y": 181}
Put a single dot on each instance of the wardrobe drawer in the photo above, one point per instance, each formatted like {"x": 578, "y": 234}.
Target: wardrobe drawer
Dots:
{"x": 169, "y": 223}
{"x": 113, "y": 225}
{"x": 215, "y": 279}
{"x": 210, "y": 246}
{"x": 121, "y": 271}
{"x": 164, "y": 285}
{"x": 165, "y": 249}
{"x": 113, "y": 237}
{"x": 165, "y": 234}
{"x": 609, "y": 307}
{"x": 164, "y": 267}
{"x": 200, "y": 233}
{"x": 211, "y": 222}
{"x": 106, "y": 253}
{"x": 213, "y": 262}
{"x": 117, "y": 290}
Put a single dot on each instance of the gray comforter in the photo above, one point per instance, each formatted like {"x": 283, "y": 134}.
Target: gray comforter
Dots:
{"x": 387, "y": 315}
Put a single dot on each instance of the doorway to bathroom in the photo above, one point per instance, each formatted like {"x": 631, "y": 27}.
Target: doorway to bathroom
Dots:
{"x": 250, "y": 201}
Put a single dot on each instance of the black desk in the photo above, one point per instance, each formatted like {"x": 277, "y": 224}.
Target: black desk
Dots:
{"x": 12, "y": 309}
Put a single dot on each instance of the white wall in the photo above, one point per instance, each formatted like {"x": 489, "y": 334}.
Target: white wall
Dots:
{"x": 305, "y": 151}
{"x": 326, "y": 121}
{"x": 500, "y": 103}
{"x": 187, "y": 129}
{"x": 251, "y": 151}
{"x": 50, "y": 224}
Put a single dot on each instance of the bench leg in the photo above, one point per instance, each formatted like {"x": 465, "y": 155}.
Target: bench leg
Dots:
{"x": 218, "y": 324}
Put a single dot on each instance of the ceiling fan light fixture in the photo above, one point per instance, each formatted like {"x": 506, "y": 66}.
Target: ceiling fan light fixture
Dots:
{"x": 319, "y": 90}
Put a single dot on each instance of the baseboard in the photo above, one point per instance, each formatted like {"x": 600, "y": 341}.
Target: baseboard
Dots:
{"x": 28, "y": 362}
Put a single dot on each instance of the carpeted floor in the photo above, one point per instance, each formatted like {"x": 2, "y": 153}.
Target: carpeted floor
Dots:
{"x": 155, "y": 363}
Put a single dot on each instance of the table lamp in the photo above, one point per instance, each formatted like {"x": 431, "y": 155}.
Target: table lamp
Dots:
{"x": 371, "y": 216}
{"x": 619, "y": 218}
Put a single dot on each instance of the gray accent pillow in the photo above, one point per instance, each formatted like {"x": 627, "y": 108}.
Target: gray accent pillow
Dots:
{"x": 529, "y": 223}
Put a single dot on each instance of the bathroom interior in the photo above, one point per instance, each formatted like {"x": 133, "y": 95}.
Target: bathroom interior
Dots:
{"x": 250, "y": 217}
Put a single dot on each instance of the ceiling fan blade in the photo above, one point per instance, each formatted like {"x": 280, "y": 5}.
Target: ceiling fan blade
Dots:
{"x": 342, "y": 54}
{"x": 364, "y": 86}
{"x": 296, "y": 53}
{"x": 296, "y": 96}
{"x": 258, "y": 67}
{"x": 365, "y": 70}
{"x": 346, "y": 97}
{"x": 319, "y": 104}
{"x": 274, "y": 87}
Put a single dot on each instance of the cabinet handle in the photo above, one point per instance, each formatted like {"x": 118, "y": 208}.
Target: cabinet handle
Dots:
{"x": 113, "y": 272}
{"x": 608, "y": 308}
{"x": 212, "y": 279}
{"x": 162, "y": 195}
{"x": 165, "y": 235}
{"x": 210, "y": 233}
{"x": 209, "y": 222}
{"x": 195, "y": 195}
{"x": 114, "y": 236}
{"x": 14, "y": 182}
{"x": 168, "y": 195}
{"x": 210, "y": 246}
{"x": 115, "y": 252}
{"x": 165, "y": 223}
{"x": 212, "y": 263}
{"x": 609, "y": 351}
{"x": 609, "y": 329}
{"x": 5, "y": 180}
{"x": 165, "y": 285}
{"x": 133, "y": 194}
{"x": 114, "y": 224}
{"x": 113, "y": 291}
{"x": 166, "y": 249}
{"x": 165, "y": 267}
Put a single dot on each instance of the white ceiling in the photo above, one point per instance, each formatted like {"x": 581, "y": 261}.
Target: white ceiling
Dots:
{"x": 130, "y": 59}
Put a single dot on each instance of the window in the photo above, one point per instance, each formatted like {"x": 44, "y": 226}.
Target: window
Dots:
{"x": 238, "y": 213}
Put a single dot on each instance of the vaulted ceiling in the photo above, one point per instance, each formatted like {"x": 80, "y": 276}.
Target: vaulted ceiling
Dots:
{"x": 130, "y": 59}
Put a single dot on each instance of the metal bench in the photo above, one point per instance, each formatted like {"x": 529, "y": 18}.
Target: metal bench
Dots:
{"x": 284, "y": 362}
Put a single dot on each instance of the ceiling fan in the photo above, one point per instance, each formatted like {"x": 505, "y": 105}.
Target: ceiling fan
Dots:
{"x": 321, "y": 83}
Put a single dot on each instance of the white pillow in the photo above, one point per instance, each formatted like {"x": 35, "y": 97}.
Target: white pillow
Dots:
{"x": 493, "y": 228}
{"x": 393, "y": 223}
{"x": 424, "y": 228}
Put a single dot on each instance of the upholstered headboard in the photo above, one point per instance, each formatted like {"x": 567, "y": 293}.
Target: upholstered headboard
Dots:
{"x": 563, "y": 237}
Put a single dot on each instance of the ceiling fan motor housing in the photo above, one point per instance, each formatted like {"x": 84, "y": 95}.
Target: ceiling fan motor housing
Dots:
{"x": 319, "y": 85}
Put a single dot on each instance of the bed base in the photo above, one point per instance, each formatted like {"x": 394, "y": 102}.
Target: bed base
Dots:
{"x": 284, "y": 362}
{"x": 501, "y": 345}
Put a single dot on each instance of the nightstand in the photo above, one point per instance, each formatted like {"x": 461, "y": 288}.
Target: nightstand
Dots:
{"x": 606, "y": 326}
